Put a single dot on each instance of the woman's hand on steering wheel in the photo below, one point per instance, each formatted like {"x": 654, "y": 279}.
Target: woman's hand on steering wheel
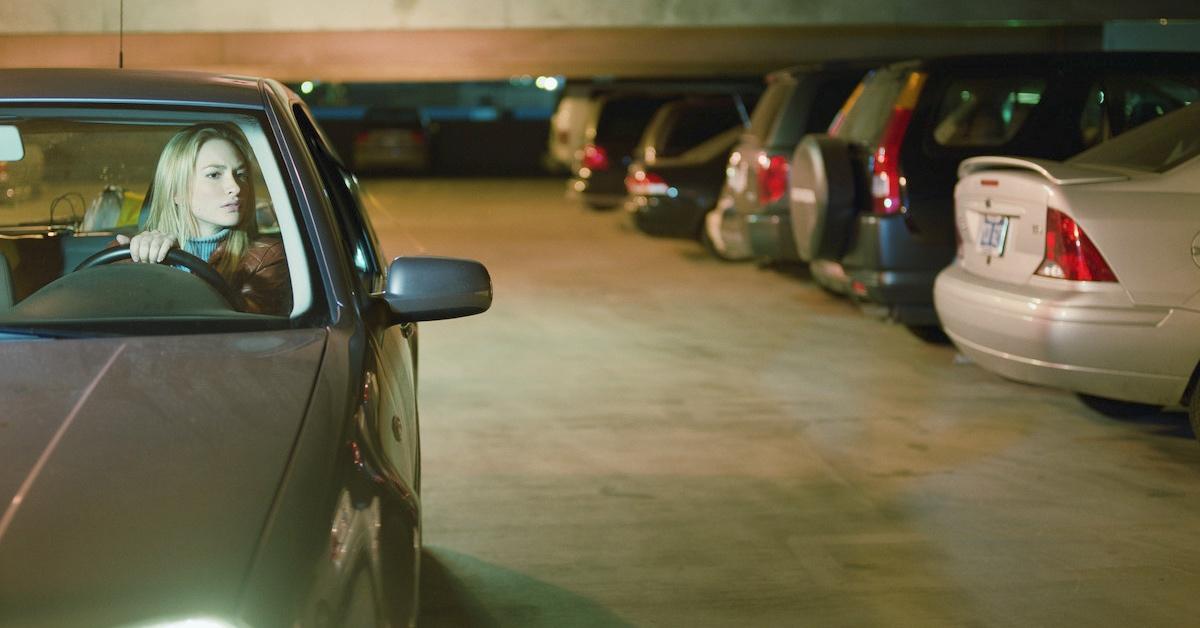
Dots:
{"x": 148, "y": 246}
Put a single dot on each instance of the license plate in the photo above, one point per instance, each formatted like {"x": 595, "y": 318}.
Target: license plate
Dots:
{"x": 992, "y": 234}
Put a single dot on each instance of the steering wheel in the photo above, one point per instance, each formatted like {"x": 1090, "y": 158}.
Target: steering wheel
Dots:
{"x": 175, "y": 257}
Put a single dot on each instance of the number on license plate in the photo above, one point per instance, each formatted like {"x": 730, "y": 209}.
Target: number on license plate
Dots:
{"x": 992, "y": 234}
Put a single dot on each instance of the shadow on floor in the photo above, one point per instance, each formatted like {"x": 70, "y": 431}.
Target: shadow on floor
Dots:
{"x": 461, "y": 590}
{"x": 1152, "y": 419}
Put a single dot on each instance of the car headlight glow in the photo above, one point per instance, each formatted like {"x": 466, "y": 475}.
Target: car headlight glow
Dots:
{"x": 192, "y": 622}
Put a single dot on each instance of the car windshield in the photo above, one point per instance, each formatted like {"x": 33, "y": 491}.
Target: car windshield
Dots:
{"x": 75, "y": 179}
{"x": 1156, "y": 146}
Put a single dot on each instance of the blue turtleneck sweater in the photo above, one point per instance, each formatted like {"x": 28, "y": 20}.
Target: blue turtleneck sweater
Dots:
{"x": 204, "y": 247}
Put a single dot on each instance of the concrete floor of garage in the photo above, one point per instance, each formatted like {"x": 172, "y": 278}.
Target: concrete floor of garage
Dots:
{"x": 637, "y": 434}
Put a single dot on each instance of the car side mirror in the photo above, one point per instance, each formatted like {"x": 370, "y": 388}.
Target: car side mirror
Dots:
{"x": 436, "y": 288}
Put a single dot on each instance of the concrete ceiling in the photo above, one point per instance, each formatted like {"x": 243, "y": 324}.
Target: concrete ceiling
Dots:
{"x": 406, "y": 40}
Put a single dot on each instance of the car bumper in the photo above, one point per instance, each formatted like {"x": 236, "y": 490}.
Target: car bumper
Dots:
{"x": 830, "y": 275}
{"x": 889, "y": 266}
{"x": 665, "y": 217}
{"x": 770, "y": 236}
{"x": 1095, "y": 342}
{"x": 586, "y": 190}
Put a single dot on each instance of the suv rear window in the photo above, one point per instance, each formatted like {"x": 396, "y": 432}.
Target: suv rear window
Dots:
{"x": 694, "y": 124}
{"x": 772, "y": 102}
{"x": 868, "y": 113}
{"x": 985, "y": 111}
{"x": 623, "y": 119}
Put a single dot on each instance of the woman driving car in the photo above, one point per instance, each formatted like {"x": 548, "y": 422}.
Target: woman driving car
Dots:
{"x": 202, "y": 202}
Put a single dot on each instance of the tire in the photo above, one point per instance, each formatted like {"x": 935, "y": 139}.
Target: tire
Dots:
{"x": 1194, "y": 414}
{"x": 932, "y": 334}
{"x": 598, "y": 205}
{"x": 822, "y": 196}
{"x": 1117, "y": 409}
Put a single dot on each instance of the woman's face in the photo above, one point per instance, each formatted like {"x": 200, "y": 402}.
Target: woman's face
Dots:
{"x": 219, "y": 183}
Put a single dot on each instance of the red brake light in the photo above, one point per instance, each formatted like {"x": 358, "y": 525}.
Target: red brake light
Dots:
{"x": 886, "y": 179}
{"x": 772, "y": 178}
{"x": 885, "y": 165}
{"x": 418, "y": 137}
{"x": 642, "y": 183}
{"x": 1070, "y": 254}
{"x": 595, "y": 157}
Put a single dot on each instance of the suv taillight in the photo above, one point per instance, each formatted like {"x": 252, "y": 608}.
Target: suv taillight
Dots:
{"x": 886, "y": 179}
{"x": 1070, "y": 254}
{"x": 642, "y": 183}
{"x": 595, "y": 157}
{"x": 772, "y": 178}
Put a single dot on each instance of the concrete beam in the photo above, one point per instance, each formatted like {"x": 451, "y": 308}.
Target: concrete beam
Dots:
{"x": 495, "y": 54}
{"x": 223, "y": 16}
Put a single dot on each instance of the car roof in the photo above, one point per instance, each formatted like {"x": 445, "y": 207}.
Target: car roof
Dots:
{"x": 131, "y": 86}
{"x": 836, "y": 66}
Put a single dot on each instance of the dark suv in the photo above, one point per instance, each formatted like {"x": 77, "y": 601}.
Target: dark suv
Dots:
{"x": 679, "y": 166}
{"x": 872, "y": 202}
{"x": 751, "y": 218}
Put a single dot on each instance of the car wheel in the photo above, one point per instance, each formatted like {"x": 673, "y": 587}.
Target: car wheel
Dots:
{"x": 1194, "y": 414}
{"x": 933, "y": 334}
{"x": 400, "y": 564}
{"x": 599, "y": 205}
{"x": 822, "y": 196}
{"x": 1117, "y": 409}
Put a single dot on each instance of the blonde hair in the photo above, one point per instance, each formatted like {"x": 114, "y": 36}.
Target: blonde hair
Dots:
{"x": 170, "y": 198}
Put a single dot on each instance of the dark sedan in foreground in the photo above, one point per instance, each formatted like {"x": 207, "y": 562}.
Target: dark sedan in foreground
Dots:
{"x": 223, "y": 433}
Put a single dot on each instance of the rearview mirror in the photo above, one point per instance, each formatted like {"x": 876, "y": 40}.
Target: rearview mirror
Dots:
{"x": 436, "y": 288}
{"x": 11, "y": 148}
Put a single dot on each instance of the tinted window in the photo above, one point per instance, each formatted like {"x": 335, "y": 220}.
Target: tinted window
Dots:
{"x": 985, "y": 111}
{"x": 1156, "y": 146}
{"x": 863, "y": 119}
{"x": 693, "y": 125}
{"x": 1119, "y": 103}
{"x": 623, "y": 120}
{"x": 769, "y": 106}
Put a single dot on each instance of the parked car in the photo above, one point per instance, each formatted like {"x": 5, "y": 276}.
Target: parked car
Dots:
{"x": 392, "y": 140}
{"x": 568, "y": 124}
{"x": 752, "y": 212}
{"x": 170, "y": 459}
{"x": 679, "y": 165}
{"x": 871, "y": 202}
{"x": 1084, "y": 274}
{"x": 615, "y": 125}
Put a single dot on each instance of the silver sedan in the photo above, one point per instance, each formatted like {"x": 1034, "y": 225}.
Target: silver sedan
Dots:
{"x": 1084, "y": 274}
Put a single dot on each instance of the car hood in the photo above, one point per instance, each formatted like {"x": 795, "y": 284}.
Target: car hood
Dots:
{"x": 136, "y": 474}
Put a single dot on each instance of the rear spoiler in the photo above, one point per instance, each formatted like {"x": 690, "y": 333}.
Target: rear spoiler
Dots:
{"x": 1056, "y": 171}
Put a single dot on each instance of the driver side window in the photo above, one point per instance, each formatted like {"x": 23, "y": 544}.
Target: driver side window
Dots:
{"x": 355, "y": 236}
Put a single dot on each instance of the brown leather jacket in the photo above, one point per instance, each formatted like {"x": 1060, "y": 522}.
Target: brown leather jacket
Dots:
{"x": 261, "y": 283}
{"x": 261, "y": 280}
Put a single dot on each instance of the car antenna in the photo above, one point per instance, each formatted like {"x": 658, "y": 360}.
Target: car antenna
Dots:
{"x": 121, "y": 39}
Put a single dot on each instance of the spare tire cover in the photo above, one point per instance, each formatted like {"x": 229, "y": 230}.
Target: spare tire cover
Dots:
{"x": 822, "y": 196}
